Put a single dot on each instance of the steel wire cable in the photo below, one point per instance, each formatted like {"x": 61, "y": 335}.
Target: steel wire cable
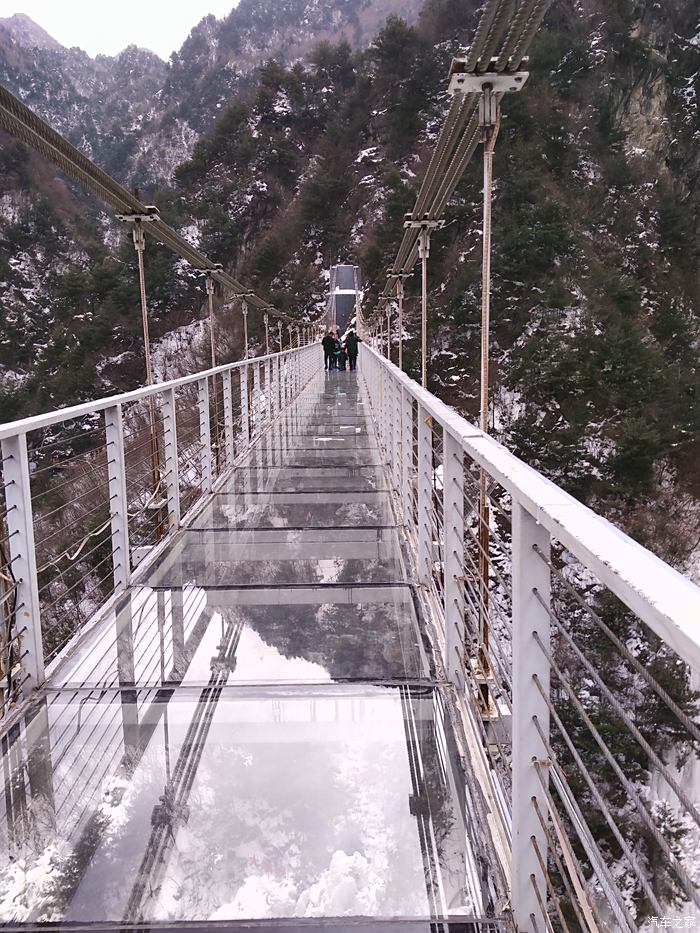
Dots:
{"x": 563, "y": 872}
{"x": 103, "y": 506}
{"x": 60, "y": 573}
{"x": 456, "y": 142}
{"x": 533, "y": 25}
{"x": 620, "y": 711}
{"x": 516, "y": 31}
{"x": 68, "y": 591}
{"x": 21, "y": 122}
{"x": 447, "y": 141}
{"x": 593, "y": 787}
{"x": 43, "y": 445}
{"x": 467, "y": 148}
{"x": 575, "y": 815}
{"x": 538, "y": 894}
{"x": 649, "y": 679}
{"x": 61, "y": 464}
{"x": 65, "y": 505}
{"x": 622, "y": 777}
{"x": 550, "y": 887}
{"x": 483, "y": 30}
{"x": 495, "y": 34}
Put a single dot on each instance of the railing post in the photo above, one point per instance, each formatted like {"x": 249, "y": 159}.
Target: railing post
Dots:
{"x": 425, "y": 490}
{"x": 278, "y": 387}
{"x": 453, "y": 519}
{"x": 118, "y": 504}
{"x": 256, "y": 398}
{"x": 172, "y": 465}
{"x": 268, "y": 388}
{"x": 383, "y": 412}
{"x": 20, "y": 528}
{"x": 229, "y": 437}
{"x": 205, "y": 433}
{"x": 395, "y": 415}
{"x": 245, "y": 414}
{"x": 406, "y": 455}
{"x": 530, "y": 574}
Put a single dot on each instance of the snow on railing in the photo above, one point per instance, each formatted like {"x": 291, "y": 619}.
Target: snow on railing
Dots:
{"x": 570, "y": 649}
{"x": 89, "y": 496}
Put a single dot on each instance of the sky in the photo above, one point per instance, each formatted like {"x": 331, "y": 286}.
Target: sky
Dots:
{"x": 108, "y": 27}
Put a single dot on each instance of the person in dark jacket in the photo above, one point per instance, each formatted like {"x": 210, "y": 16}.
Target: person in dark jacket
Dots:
{"x": 328, "y": 344}
{"x": 351, "y": 345}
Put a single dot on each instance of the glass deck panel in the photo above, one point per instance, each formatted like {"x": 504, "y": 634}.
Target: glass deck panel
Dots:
{"x": 272, "y": 478}
{"x": 215, "y": 804}
{"x": 290, "y": 456}
{"x": 296, "y": 510}
{"x": 308, "y": 635}
{"x": 282, "y": 558}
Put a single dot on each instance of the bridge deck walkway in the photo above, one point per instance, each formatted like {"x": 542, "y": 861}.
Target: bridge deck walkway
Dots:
{"x": 256, "y": 730}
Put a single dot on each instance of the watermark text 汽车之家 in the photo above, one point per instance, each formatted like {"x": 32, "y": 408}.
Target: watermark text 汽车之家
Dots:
{"x": 679, "y": 923}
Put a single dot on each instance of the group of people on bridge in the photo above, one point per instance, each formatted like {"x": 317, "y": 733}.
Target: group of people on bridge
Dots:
{"x": 338, "y": 353}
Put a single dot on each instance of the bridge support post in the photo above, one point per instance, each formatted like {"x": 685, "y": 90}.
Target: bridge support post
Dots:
{"x": 395, "y": 415}
{"x": 20, "y": 529}
{"x": 531, "y": 579}
{"x": 278, "y": 387}
{"x": 256, "y": 398}
{"x": 453, "y": 518}
{"x": 172, "y": 468}
{"x": 116, "y": 477}
{"x": 406, "y": 456}
{"x": 399, "y": 296}
{"x": 228, "y": 419}
{"x": 425, "y": 493}
{"x": 381, "y": 419}
{"x": 245, "y": 414}
{"x": 205, "y": 433}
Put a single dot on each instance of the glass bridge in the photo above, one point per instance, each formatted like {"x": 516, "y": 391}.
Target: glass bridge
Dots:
{"x": 257, "y": 731}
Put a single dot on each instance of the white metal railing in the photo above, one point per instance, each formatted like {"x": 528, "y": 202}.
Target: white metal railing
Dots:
{"x": 570, "y": 648}
{"x": 88, "y": 492}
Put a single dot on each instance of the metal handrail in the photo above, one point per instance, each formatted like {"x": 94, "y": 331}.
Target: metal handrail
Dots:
{"x": 36, "y": 422}
{"x": 522, "y": 771}
{"x": 667, "y": 601}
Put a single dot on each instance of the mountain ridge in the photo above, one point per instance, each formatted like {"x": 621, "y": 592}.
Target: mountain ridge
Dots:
{"x": 23, "y": 30}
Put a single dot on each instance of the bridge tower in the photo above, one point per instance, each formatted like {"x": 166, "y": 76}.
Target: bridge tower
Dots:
{"x": 344, "y": 295}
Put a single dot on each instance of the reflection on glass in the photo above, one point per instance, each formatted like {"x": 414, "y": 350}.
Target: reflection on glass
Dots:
{"x": 296, "y": 510}
{"x": 309, "y": 634}
{"x": 279, "y": 557}
{"x": 232, "y": 806}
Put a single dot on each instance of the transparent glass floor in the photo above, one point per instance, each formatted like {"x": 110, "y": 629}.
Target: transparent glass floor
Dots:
{"x": 329, "y": 455}
{"x": 284, "y": 557}
{"x": 311, "y": 634}
{"x": 222, "y": 804}
{"x": 296, "y": 510}
{"x": 255, "y": 731}
{"x": 344, "y": 479}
